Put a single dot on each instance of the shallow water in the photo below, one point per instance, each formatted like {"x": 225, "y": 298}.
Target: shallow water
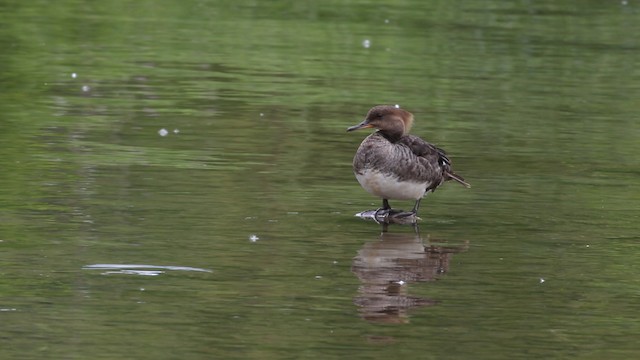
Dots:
{"x": 176, "y": 180}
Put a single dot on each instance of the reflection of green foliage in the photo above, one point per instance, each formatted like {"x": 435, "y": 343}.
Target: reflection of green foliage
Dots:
{"x": 535, "y": 101}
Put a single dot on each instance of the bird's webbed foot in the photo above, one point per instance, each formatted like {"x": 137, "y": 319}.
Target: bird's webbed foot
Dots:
{"x": 382, "y": 212}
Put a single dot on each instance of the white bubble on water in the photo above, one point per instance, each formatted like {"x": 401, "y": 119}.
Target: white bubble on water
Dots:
{"x": 74, "y": 75}
{"x": 86, "y": 88}
{"x": 176, "y": 131}
{"x": 366, "y": 43}
{"x": 397, "y": 106}
{"x": 253, "y": 238}
{"x": 163, "y": 132}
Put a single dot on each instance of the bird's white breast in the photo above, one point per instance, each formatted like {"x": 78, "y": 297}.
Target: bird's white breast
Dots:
{"x": 387, "y": 186}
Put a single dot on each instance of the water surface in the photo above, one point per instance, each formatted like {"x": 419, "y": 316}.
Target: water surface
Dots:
{"x": 176, "y": 180}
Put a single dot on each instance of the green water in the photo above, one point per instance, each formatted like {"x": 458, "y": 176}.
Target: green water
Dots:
{"x": 243, "y": 211}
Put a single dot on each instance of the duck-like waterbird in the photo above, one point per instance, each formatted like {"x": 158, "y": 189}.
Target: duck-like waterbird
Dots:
{"x": 392, "y": 164}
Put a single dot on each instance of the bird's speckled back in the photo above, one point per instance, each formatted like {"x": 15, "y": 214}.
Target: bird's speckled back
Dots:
{"x": 409, "y": 159}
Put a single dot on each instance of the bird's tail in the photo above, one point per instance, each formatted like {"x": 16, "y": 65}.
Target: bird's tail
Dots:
{"x": 458, "y": 178}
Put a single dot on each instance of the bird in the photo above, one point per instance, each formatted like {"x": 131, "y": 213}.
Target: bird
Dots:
{"x": 395, "y": 165}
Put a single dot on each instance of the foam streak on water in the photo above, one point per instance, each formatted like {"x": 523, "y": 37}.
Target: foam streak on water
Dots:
{"x": 127, "y": 268}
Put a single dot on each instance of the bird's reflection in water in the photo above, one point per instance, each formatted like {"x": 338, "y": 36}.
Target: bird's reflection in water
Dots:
{"x": 388, "y": 266}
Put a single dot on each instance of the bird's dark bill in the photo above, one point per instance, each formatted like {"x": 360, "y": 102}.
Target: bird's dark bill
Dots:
{"x": 362, "y": 125}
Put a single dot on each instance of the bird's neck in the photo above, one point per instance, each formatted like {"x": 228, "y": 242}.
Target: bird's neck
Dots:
{"x": 392, "y": 136}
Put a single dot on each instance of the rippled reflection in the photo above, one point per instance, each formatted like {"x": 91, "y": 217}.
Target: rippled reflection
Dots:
{"x": 387, "y": 267}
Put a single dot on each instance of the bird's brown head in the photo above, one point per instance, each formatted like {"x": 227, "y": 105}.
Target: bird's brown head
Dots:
{"x": 390, "y": 120}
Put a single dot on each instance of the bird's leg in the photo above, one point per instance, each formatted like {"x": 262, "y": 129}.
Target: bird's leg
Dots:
{"x": 384, "y": 210}
{"x": 416, "y": 207}
{"x": 412, "y": 213}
